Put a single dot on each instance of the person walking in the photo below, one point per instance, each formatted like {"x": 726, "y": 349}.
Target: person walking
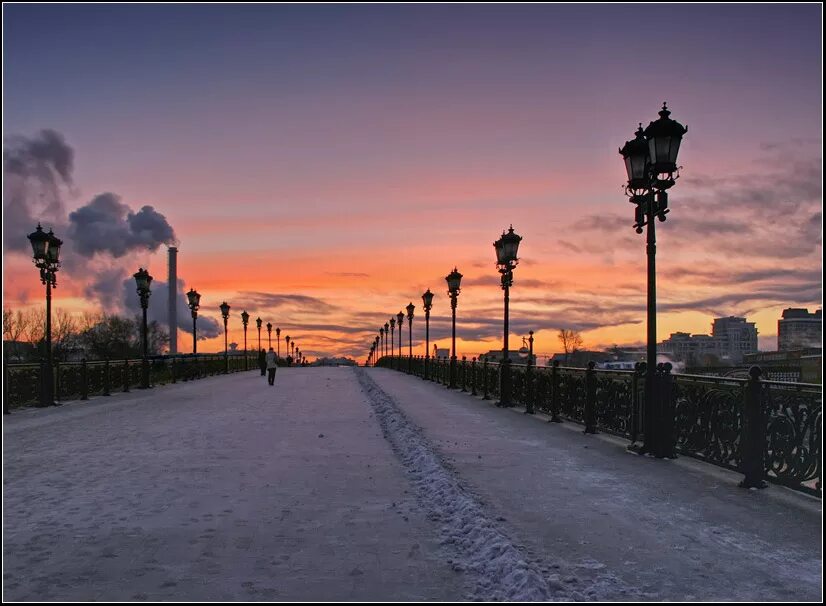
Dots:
{"x": 262, "y": 361}
{"x": 272, "y": 366}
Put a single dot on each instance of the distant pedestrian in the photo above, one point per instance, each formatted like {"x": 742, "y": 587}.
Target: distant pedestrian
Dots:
{"x": 272, "y": 366}
{"x": 262, "y": 361}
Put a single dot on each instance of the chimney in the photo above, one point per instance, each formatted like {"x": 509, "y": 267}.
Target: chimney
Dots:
{"x": 173, "y": 292}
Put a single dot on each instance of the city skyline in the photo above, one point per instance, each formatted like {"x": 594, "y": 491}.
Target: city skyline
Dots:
{"x": 323, "y": 168}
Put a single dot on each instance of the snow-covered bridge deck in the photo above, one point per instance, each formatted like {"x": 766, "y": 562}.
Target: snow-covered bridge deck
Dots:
{"x": 346, "y": 484}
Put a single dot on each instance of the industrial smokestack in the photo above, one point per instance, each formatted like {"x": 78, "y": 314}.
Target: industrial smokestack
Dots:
{"x": 173, "y": 291}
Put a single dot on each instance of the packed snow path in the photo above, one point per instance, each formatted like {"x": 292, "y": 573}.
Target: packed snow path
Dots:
{"x": 342, "y": 484}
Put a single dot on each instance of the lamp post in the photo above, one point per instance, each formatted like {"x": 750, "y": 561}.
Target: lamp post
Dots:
{"x": 194, "y": 302}
{"x": 269, "y": 336}
{"x": 386, "y": 336}
{"x": 287, "y": 344}
{"x": 506, "y": 260}
{"x": 245, "y": 318}
{"x": 225, "y": 313}
{"x": 46, "y": 257}
{"x": 410, "y": 308}
{"x": 454, "y": 283}
{"x": 392, "y": 339}
{"x": 400, "y": 318}
{"x": 278, "y": 342}
{"x": 377, "y": 350}
{"x": 144, "y": 281}
{"x": 259, "y": 322}
{"x": 292, "y": 347}
{"x": 651, "y": 166}
{"x": 427, "y": 299}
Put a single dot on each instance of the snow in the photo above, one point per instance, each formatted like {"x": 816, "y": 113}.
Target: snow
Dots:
{"x": 218, "y": 489}
{"x": 367, "y": 484}
{"x": 617, "y": 526}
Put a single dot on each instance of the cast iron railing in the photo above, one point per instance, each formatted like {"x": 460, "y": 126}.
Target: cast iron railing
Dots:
{"x": 704, "y": 417}
{"x": 79, "y": 380}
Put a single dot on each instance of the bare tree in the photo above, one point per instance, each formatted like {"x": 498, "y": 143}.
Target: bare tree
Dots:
{"x": 64, "y": 333}
{"x": 34, "y": 331}
{"x": 14, "y": 327}
{"x": 571, "y": 341}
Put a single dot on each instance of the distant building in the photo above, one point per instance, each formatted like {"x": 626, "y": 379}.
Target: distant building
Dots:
{"x": 737, "y": 338}
{"x": 495, "y": 356}
{"x": 799, "y": 329}
{"x": 579, "y": 358}
{"x": 801, "y": 365}
{"x": 731, "y": 338}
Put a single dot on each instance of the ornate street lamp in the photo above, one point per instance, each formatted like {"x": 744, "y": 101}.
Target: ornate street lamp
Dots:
{"x": 245, "y": 318}
{"x": 269, "y": 336}
{"x": 410, "y": 308}
{"x": 376, "y": 348}
{"x": 427, "y": 299}
{"x": 292, "y": 348}
{"x": 506, "y": 247}
{"x": 651, "y": 167}
{"x": 400, "y": 318}
{"x": 225, "y": 313}
{"x": 259, "y": 323}
{"x": 194, "y": 301}
{"x": 46, "y": 257}
{"x": 386, "y": 336}
{"x": 392, "y": 339}
{"x": 278, "y": 342}
{"x": 454, "y": 283}
{"x": 144, "y": 281}
{"x": 287, "y": 344}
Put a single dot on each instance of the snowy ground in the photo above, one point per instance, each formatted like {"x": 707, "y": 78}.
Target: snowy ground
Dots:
{"x": 342, "y": 484}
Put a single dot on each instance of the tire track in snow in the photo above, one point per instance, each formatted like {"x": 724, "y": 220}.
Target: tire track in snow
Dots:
{"x": 500, "y": 569}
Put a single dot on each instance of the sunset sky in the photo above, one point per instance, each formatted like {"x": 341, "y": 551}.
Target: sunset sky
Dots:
{"x": 323, "y": 165}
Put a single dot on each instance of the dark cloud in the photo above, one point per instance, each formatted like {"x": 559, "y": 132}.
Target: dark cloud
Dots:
{"x": 107, "y": 288}
{"x": 107, "y": 225}
{"x": 158, "y": 310}
{"x": 771, "y": 213}
{"x": 735, "y": 276}
{"x": 36, "y": 173}
{"x": 299, "y": 302}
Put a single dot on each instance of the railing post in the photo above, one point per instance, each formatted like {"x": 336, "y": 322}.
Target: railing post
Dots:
{"x": 590, "y": 412}
{"x": 529, "y": 389}
{"x": 84, "y": 380}
{"x": 667, "y": 437}
{"x": 57, "y": 381}
{"x": 473, "y": 377}
{"x": 6, "y": 390}
{"x": 107, "y": 378}
{"x": 485, "y": 394}
{"x": 464, "y": 373}
{"x": 555, "y": 393}
{"x": 125, "y": 375}
{"x": 172, "y": 376}
{"x": 636, "y": 402}
{"x": 42, "y": 374}
{"x": 753, "y": 433}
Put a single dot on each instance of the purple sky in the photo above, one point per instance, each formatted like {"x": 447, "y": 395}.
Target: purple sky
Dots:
{"x": 369, "y": 148}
